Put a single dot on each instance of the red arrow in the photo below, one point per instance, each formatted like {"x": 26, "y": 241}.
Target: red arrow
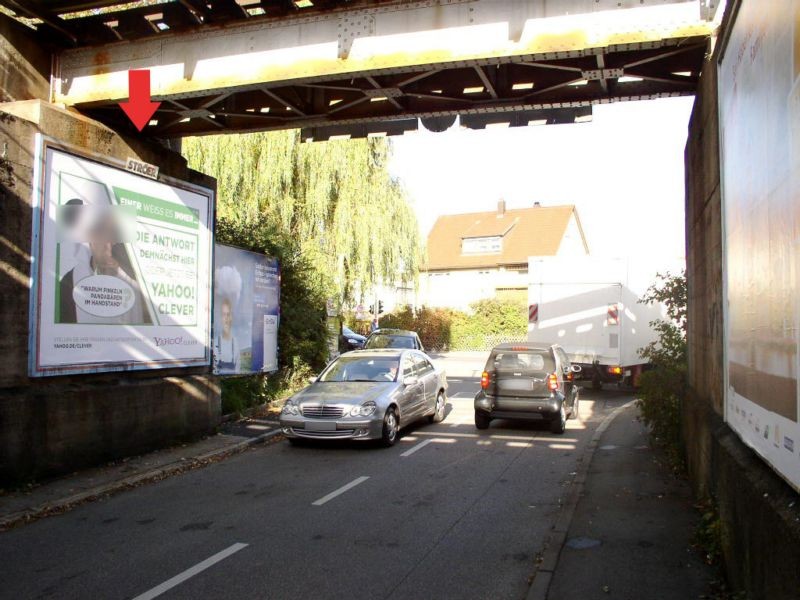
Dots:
{"x": 139, "y": 108}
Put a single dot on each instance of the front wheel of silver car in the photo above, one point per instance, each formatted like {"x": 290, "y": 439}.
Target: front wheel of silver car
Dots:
{"x": 390, "y": 427}
{"x": 438, "y": 409}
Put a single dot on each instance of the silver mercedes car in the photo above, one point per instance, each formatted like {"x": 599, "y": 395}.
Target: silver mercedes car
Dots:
{"x": 367, "y": 395}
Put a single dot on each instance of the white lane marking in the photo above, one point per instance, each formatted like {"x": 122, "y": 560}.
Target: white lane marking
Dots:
{"x": 448, "y": 434}
{"x": 411, "y": 451}
{"x": 340, "y": 491}
{"x": 529, "y": 438}
{"x": 190, "y": 572}
{"x": 519, "y": 444}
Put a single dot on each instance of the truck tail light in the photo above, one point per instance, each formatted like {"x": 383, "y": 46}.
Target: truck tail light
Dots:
{"x": 570, "y": 376}
{"x": 615, "y": 370}
{"x": 484, "y": 380}
{"x": 552, "y": 382}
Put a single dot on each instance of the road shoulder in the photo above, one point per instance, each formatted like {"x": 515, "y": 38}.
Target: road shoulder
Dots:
{"x": 64, "y": 493}
{"x": 626, "y": 528}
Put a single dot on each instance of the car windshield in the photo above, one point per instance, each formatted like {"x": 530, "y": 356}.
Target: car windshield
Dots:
{"x": 362, "y": 368}
{"x": 390, "y": 341}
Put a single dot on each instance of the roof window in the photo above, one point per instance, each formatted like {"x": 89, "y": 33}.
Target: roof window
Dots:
{"x": 482, "y": 245}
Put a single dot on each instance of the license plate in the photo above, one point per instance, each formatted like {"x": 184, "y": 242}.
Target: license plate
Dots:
{"x": 518, "y": 385}
{"x": 321, "y": 425}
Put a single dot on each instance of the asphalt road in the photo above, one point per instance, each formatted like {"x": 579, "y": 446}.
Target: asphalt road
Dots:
{"x": 449, "y": 512}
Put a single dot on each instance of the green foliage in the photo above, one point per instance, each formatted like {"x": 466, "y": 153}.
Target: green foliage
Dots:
{"x": 301, "y": 337}
{"x": 490, "y": 321}
{"x": 333, "y": 217}
{"x": 498, "y": 317}
{"x": 334, "y": 200}
{"x": 708, "y": 534}
{"x": 663, "y": 388}
{"x": 433, "y": 325}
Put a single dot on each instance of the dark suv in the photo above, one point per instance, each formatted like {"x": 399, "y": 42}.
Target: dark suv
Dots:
{"x": 393, "y": 338}
{"x": 525, "y": 381}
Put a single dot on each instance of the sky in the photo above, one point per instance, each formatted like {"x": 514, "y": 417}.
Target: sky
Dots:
{"x": 623, "y": 171}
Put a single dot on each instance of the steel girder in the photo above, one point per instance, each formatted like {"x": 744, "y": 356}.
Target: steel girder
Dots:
{"x": 374, "y": 66}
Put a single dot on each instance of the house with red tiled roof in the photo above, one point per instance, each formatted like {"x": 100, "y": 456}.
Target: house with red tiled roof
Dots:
{"x": 485, "y": 255}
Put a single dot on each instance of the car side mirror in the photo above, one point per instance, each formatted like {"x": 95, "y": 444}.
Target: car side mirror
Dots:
{"x": 576, "y": 368}
{"x": 312, "y": 380}
{"x": 409, "y": 381}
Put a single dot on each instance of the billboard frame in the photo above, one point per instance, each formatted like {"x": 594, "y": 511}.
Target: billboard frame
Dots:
{"x": 728, "y": 394}
{"x": 42, "y": 144}
{"x": 212, "y": 308}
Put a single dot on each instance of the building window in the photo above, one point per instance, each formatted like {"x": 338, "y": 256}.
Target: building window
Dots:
{"x": 482, "y": 245}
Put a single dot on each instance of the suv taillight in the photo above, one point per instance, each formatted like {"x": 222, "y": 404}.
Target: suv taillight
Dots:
{"x": 484, "y": 380}
{"x": 552, "y": 382}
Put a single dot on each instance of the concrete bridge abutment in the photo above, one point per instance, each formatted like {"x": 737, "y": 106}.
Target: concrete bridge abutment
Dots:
{"x": 52, "y": 425}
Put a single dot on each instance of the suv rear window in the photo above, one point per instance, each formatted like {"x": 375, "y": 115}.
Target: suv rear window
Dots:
{"x": 532, "y": 362}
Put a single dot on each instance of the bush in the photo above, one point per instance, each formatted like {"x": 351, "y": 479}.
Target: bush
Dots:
{"x": 302, "y": 337}
{"x": 440, "y": 329}
{"x": 663, "y": 388}
{"x": 431, "y": 324}
{"x": 491, "y": 321}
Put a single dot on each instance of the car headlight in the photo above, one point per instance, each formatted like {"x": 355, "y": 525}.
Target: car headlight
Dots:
{"x": 290, "y": 408}
{"x": 366, "y": 409}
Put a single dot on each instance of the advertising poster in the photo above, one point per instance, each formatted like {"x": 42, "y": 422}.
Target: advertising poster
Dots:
{"x": 759, "y": 110}
{"x": 120, "y": 269}
{"x": 246, "y": 311}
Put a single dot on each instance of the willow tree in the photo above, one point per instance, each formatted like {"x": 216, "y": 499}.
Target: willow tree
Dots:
{"x": 334, "y": 202}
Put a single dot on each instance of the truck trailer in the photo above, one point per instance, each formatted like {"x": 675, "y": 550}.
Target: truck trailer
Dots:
{"x": 584, "y": 304}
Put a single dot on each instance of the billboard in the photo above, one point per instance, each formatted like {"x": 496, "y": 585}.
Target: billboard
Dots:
{"x": 759, "y": 112}
{"x": 121, "y": 268}
{"x": 246, "y": 311}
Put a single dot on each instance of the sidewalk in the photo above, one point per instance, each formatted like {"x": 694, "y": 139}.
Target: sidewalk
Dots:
{"x": 61, "y": 494}
{"x": 628, "y": 527}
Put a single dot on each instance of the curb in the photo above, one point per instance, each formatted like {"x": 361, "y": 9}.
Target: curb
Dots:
{"x": 545, "y": 570}
{"x": 67, "y": 503}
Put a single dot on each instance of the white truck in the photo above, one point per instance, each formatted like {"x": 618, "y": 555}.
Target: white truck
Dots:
{"x": 584, "y": 304}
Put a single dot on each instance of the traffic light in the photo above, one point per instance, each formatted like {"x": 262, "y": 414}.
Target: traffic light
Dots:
{"x": 372, "y": 309}
{"x": 380, "y": 307}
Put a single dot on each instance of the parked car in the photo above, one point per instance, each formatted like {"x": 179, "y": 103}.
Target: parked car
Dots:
{"x": 353, "y": 340}
{"x": 526, "y": 381}
{"x": 393, "y": 338}
{"x": 365, "y": 395}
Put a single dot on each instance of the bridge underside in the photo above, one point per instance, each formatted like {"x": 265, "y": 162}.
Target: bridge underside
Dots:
{"x": 515, "y": 93}
{"x": 370, "y": 67}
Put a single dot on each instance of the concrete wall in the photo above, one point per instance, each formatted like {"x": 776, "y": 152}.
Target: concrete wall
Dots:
{"x": 758, "y": 510}
{"x": 56, "y": 424}
{"x": 459, "y": 289}
{"x": 24, "y": 64}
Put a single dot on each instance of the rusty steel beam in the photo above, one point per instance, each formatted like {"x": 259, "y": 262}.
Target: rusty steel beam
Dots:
{"x": 354, "y": 102}
{"x": 374, "y": 70}
{"x": 395, "y": 38}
